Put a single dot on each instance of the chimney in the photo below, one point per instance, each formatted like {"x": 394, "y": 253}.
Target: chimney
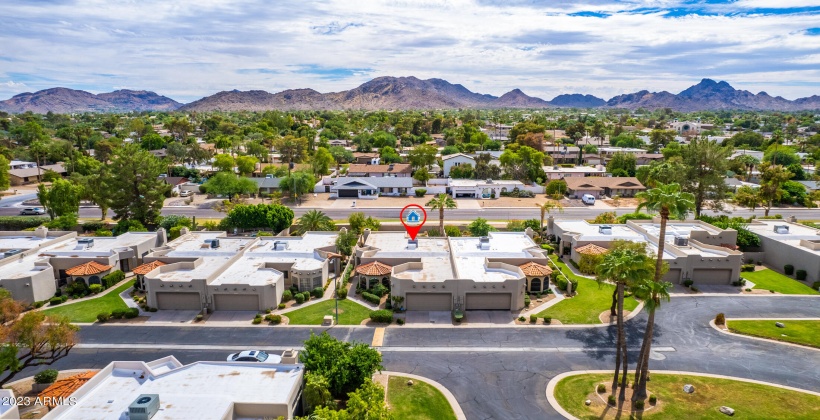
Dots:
{"x": 792, "y": 219}
{"x": 184, "y": 231}
{"x": 550, "y": 223}
{"x": 162, "y": 237}
{"x": 41, "y": 232}
{"x": 365, "y": 234}
{"x": 529, "y": 232}
{"x": 290, "y": 357}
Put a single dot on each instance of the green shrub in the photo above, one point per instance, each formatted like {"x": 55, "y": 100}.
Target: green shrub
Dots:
{"x": 533, "y": 318}
{"x": 103, "y": 233}
{"x": 118, "y": 313}
{"x": 747, "y": 267}
{"x": 47, "y": 376}
{"x": 199, "y": 317}
{"x": 317, "y": 292}
{"x": 548, "y": 248}
{"x": 800, "y": 274}
{"x": 152, "y": 309}
{"x": 371, "y": 298}
{"x": 688, "y": 283}
{"x": 20, "y": 223}
{"x": 548, "y": 320}
{"x": 56, "y": 300}
{"x": 103, "y": 316}
{"x": 306, "y": 295}
{"x": 420, "y": 192}
{"x": 522, "y": 319}
{"x": 274, "y": 319}
{"x": 611, "y": 400}
{"x": 589, "y": 263}
{"x": 281, "y": 306}
{"x": 341, "y": 294}
{"x": 287, "y": 296}
{"x": 816, "y": 285}
{"x": 95, "y": 288}
{"x": 93, "y": 226}
{"x": 400, "y": 321}
{"x": 382, "y": 315}
{"x": 379, "y": 290}
{"x": 132, "y": 313}
{"x": 452, "y": 231}
{"x": 601, "y": 388}
{"x": 256, "y": 321}
{"x": 76, "y": 288}
{"x": 653, "y": 399}
{"x": 113, "y": 278}
{"x": 526, "y": 300}
{"x": 788, "y": 269}
{"x": 639, "y": 405}
{"x": 720, "y": 319}
{"x": 300, "y": 298}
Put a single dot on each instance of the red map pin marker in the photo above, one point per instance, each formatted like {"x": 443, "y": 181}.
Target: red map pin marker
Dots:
{"x": 413, "y": 217}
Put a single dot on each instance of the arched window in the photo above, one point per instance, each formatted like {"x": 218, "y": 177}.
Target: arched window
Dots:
{"x": 80, "y": 279}
{"x": 94, "y": 280}
{"x": 535, "y": 285}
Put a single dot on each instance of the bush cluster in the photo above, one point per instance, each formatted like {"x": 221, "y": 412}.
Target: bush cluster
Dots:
{"x": 95, "y": 288}
{"x": 382, "y": 315}
{"x": 341, "y": 293}
{"x": 533, "y": 318}
{"x": 300, "y": 298}
{"x": 113, "y": 278}
{"x": 20, "y": 223}
{"x": 720, "y": 319}
{"x": 420, "y": 192}
{"x": 56, "y": 300}
{"x": 800, "y": 274}
{"x": 371, "y": 298}
{"x": 103, "y": 316}
{"x": 317, "y": 292}
{"x": 46, "y": 377}
{"x": 747, "y": 267}
{"x": 132, "y": 313}
{"x": 788, "y": 269}
{"x": 688, "y": 283}
{"x": 273, "y": 319}
{"x": 287, "y": 295}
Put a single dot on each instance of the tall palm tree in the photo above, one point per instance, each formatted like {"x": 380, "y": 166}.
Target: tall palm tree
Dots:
{"x": 652, "y": 293}
{"x": 441, "y": 202}
{"x": 669, "y": 201}
{"x": 625, "y": 264}
{"x": 545, "y": 209}
{"x": 315, "y": 220}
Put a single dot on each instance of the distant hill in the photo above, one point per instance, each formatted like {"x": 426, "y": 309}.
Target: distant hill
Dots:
{"x": 66, "y": 101}
{"x": 403, "y": 93}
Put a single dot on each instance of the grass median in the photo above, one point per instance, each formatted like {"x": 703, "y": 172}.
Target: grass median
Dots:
{"x": 749, "y": 400}
{"x": 590, "y": 300}
{"x": 87, "y": 310}
{"x": 772, "y": 280}
{"x": 421, "y": 401}
{"x": 804, "y": 332}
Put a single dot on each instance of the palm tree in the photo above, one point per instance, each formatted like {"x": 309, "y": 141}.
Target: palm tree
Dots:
{"x": 315, "y": 220}
{"x": 667, "y": 200}
{"x": 652, "y": 293}
{"x": 441, "y": 202}
{"x": 625, "y": 264}
{"x": 545, "y": 209}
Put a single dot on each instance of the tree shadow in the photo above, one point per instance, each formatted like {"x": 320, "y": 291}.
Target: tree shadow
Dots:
{"x": 599, "y": 342}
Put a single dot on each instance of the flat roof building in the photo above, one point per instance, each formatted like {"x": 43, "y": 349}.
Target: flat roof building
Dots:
{"x": 200, "y": 390}
{"x": 787, "y": 243}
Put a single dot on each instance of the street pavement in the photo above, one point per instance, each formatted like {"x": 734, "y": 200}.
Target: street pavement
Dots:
{"x": 502, "y": 373}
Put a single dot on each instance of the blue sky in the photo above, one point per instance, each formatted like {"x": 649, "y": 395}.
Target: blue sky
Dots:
{"x": 186, "y": 50}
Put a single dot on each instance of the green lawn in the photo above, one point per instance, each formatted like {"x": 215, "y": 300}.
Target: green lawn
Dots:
{"x": 772, "y": 280}
{"x": 87, "y": 311}
{"x": 806, "y": 332}
{"x": 588, "y": 303}
{"x": 350, "y": 313}
{"x": 421, "y": 401}
{"x": 750, "y": 401}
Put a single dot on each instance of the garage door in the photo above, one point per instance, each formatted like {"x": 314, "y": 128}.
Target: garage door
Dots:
{"x": 489, "y": 301}
{"x": 711, "y": 276}
{"x": 429, "y": 301}
{"x": 673, "y": 276}
{"x": 181, "y": 301}
{"x": 236, "y": 302}
{"x": 349, "y": 193}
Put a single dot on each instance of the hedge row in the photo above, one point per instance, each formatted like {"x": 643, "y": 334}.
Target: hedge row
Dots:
{"x": 20, "y": 222}
{"x": 371, "y": 298}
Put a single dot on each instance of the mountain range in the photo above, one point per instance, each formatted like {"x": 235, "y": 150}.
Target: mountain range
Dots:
{"x": 402, "y": 93}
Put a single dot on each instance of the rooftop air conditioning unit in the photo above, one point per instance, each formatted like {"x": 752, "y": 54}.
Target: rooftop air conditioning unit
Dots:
{"x": 12, "y": 252}
{"x": 213, "y": 243}
{"x": 412, "y": 244}
{"x": 484, "y": 242}
{"x": 605, "y": 230}
{"x": 681, "y": 241}
{"x": 88, "y": 242}
{"x": 144, "y": 407}
{"x": 781, "y": 229}
{"x": 280, "y": 245}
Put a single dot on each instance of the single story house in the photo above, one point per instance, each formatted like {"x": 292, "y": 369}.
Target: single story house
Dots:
{"x": 475, "y": 188}
{"x": 624, "y": 186}
{"x": 390, "y": 170}
{"x": 267, "y": 185}
{"x": 359, "y": 187}
{"x": 560, "y": 172}
{"x": 456, "y": 159}
{"x": 367, "y": 158}
{"x": 28, "y": 175}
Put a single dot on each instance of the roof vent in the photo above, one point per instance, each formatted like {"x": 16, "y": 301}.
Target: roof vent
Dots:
{"x": 781, "y": 229}
{"x": 144, "y": 407}
{"x": 213, "y": 243}
{"x": 605, "y": 230}
{"x": 490, "y": 181}
{"x": 412, "y": 244}
{"x": 280, "y": 245}
{"x": 681, "y": 241}
{"x": 484, "y": 242}
{"x": 88, "y": 242}
{"x": 390, "y": 168}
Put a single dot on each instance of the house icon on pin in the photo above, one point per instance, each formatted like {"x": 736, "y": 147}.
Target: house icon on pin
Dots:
{"x": 413, "y": 217}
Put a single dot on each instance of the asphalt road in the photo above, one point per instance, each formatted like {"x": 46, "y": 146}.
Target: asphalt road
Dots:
{"x": 509, "y": 381}
{"x": 11, "y": 206}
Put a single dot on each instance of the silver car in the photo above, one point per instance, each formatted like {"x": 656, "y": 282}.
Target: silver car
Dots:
{"x": 33, "y": 210}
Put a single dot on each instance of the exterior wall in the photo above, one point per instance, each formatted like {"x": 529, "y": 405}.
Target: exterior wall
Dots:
{"x": 777, "y": 255}
{"x": 580, "y": 193}
{"x": 449, "y": 164}
{"x": 39, "y": 286}
{"x": 460, "y": 287}
{"x": 298, "y": 276}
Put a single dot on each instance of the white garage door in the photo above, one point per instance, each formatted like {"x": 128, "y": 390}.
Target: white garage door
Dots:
{"x": 429, "y": 301}
{"x": 236, "y": 302}
{"x": 489, "y": 301}
{"x": 712, "y": 276}
{"x": 178, "y": 301}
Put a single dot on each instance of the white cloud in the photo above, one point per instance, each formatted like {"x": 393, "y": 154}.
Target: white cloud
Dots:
{"x": 187, "y": 51}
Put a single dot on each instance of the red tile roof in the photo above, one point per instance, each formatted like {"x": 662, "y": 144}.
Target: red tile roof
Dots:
{"x": 147, "y": 267}
{"x": 87, "y": 269}
{"x": 374, "y": 269}
{"x": 591, "y": 249}
{"x": 63, "y": 388}
{"x": 532, "y": 269}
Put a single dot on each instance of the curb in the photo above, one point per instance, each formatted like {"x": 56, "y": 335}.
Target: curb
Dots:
{"x": 713, "y": 325}
{"x": 550, "y": 391}
{"x": 447, "y": 394}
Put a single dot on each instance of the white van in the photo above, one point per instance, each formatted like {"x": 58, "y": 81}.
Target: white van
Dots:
{"x": 588, "y": 199}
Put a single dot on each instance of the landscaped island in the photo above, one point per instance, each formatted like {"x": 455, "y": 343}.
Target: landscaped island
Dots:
{"x": 802, "y": 332}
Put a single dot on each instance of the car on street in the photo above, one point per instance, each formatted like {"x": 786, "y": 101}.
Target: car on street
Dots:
{"x": 32, "y": 210}
{"x": 588, "y": 199}
{"x": 254, "y": 356}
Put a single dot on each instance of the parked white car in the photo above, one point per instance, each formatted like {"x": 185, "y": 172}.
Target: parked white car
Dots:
{"x": 254, "y": 356}
{"x": 588, "y": 199}
{"x": 185, "y": 193}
